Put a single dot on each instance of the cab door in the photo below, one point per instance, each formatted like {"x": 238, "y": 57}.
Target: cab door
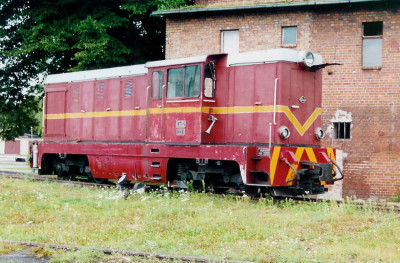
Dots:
{"x": 182, "y": 107}
{"x": 155, "y": 107}
{"x": 302, "y": 105}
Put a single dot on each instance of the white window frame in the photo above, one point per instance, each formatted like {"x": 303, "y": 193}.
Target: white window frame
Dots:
{"x": 368, "y": 51}
{"x": 283, "y": 37}
{"x": 230, "y": 41}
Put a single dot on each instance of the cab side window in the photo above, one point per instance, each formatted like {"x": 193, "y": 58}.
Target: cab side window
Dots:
{"x": 156, "y": 84}
{"x": 184, "y": 82}
{"x": 192, "y": 81}
{"x": 175, "y": 83}
{"x": 209, "y": 80}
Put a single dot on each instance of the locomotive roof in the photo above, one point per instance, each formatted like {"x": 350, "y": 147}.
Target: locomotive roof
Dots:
{"x": 270, "y": 56}
{"x": 248, "y": 58}
{"x": 87, "y": 75}
{"x": 177, "y": 61}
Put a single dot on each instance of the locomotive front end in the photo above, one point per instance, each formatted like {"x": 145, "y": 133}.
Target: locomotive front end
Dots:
{"x": 293, "y": 162}
{"x": 302, "y": 170}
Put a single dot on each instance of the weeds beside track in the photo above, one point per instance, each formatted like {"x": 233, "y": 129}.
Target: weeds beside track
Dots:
{"x": 361, "y": 204}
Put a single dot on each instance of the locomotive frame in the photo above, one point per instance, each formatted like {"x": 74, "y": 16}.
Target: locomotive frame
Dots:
{"x": 250, "y": 121}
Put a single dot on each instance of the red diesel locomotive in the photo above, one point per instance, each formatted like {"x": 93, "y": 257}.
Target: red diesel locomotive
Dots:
{"x": 250, "y": 121}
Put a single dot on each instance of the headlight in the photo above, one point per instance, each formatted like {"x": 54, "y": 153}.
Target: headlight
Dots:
{"x": 306, "y": 58}
{"x": 284, "y": 132}
{"x": 319, "y": 133}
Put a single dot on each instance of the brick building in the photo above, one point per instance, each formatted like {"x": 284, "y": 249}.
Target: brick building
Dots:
{"x": 361, "y": 98}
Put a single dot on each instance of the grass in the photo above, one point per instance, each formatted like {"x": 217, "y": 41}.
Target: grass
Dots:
{"x": 193, "y": 224}
{"x": 397, "y": 198}
{"x": 9, "y": 248}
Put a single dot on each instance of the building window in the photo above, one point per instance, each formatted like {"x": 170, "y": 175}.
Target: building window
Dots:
{"x": 156, "y": 84}
{"x": 230, "y": 41}
{"x": 342, "y": 130}
{"x": 372, "y": 44}
{"x": 289, "y": 36}
{"x": 184, "y": 81}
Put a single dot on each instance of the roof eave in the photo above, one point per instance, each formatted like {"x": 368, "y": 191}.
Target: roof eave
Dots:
{"x": 260, "y": 6}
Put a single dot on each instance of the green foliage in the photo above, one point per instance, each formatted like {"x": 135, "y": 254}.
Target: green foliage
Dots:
{"x": 46, "y": 36}
{"x": 397, "y": 198}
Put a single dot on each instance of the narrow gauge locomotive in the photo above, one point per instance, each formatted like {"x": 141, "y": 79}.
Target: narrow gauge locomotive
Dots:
{"x": 250, "y": 121}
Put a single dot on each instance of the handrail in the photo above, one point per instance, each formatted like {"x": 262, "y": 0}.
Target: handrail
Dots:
{"x": 147, "y": 112}
{"x": 163, "y": 91}
{"x": 276, "y": 85}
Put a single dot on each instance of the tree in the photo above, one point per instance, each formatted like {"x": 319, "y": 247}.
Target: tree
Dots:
{"x": 51, "y": 36}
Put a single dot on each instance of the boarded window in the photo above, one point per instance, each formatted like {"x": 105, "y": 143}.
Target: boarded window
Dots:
{"x": 372, "y": 44}
{"x": 342, "y": 130}
{"x": 289, "y": 35}
{"x": 156, "y": 84}
{"x": 230, "y": 41}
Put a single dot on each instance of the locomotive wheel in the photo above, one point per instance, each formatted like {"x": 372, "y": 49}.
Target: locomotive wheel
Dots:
{"x": 251, "y": 191}
{"x": 58, "y": 171}
{"x": 198, "y": 185}
{"x": 97, "y": 180}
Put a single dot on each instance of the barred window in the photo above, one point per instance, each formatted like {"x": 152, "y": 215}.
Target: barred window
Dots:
{"x": 342, "y": 130}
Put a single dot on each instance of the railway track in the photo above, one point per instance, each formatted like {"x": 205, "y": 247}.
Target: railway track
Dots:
{"x": 379, "y": 206}
{"x": 53, "y": 178}
{"x": 147, "y": 255}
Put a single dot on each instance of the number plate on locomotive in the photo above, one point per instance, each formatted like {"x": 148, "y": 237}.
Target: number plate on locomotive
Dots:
{"x": 263, "y": 152}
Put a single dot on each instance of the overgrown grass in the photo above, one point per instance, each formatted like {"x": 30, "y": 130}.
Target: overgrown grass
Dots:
{"x": 193, "y": 224}
{"x": 397, "y": 198}
{"x": 8, "y": 248}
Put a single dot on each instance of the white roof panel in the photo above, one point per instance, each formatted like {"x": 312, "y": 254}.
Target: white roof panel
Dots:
{"x": 178, "y": 61}
{"x": 248, "y": 58}
{"x": 269, "y": 56}
{"x": 97, "y": 74}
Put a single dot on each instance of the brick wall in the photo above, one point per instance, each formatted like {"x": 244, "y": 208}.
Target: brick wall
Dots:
{"x": 371, "y": 96}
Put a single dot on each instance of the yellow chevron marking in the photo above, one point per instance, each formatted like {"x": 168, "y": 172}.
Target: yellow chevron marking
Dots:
{"x": 219, "y": 110}
{"x": 274, "y": 163}
{"x": 311, "y": 155}
{"x": 298, "y": 154}
{"x": 331, "y": 154}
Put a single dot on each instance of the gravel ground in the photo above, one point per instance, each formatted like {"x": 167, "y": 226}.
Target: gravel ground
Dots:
{"x": 8, "y": 163}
